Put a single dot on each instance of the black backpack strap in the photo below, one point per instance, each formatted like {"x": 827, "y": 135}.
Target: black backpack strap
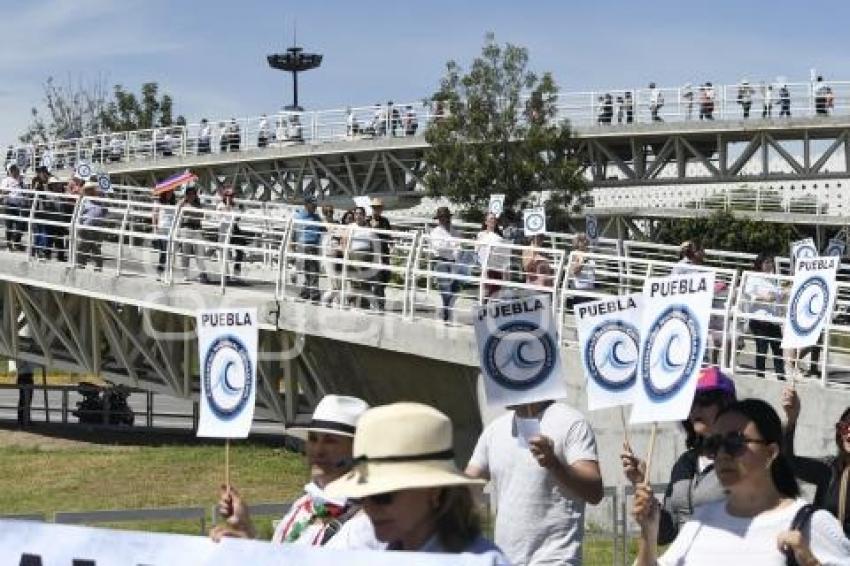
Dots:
{"x": 801, "y": 519}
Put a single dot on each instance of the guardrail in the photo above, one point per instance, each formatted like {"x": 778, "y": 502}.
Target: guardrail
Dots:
{"x": 605, "y": 109}
{"x": 406, "y": 272}
{"x": 815, "y": 198}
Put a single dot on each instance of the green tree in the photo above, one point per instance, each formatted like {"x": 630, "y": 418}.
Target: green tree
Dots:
{"x": 496, "y": 132}
{"x": 722, "y": 230}
{"x": 80, "y": 108}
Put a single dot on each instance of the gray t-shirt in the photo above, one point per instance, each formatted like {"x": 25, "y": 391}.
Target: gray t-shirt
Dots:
{"x": 538, "y": 521}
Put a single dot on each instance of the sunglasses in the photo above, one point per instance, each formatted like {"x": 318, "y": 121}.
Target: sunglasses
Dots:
{"x": 733, "y": 443}
{"x": 842, "y": 427}
{"x": 380, "y": 499}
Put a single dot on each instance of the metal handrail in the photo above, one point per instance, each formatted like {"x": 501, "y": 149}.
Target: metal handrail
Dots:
{"x": 332, "y": 125}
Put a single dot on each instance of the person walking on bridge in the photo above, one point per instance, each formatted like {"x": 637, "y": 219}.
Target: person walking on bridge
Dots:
{"x": 745, "y": 97}
{"x": 308, "y": 240}
{"x": 191, "y": 214}
{"x": 656, "y": 102}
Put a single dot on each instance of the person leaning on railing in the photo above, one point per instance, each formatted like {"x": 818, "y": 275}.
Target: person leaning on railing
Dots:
{"x": 829, "y": 474}
{"x": 11, "y": 190}
{"x": 161, "y": 220}
{"x": 363, "y": 246}
{"x": 764, "y": 297}
{"x": 494, "y": 259}
{"x": 581, "y": 271}
{"x": 382, "y": 276}
{"x": 308, "y": 241}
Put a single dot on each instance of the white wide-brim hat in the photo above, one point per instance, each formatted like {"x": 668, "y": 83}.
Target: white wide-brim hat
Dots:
{"x": 397, "y": 447}
{"x": 335, "y": 414}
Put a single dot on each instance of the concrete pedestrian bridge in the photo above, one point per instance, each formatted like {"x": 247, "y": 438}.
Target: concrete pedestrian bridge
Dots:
{"x": 122, "y": 310}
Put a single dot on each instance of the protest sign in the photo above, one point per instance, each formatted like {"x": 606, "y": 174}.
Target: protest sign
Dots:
{"x": 227, "y": 346}
{"x": 802, "y": 248}
{"x": 591, "y": 228}
{"x": 518, "y": 350}
{"x": 609, "y": 345}
{"x": 835, "y": 247}
{"x": 810, "y": 301}
{"x": 673, "y": 331}
{"x": 31, "y": 543}
{"x": 534, "y": 221}
{"x": 497, "y": 205}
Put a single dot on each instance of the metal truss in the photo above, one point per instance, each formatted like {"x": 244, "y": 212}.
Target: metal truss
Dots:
{"x": 284, "y": 178}
{"x": 143, "y": 348}
{"x": 806, "y": 151}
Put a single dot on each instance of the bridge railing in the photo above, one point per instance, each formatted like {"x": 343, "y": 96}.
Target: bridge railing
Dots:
{"x": 602, "y": 108}
{"x": 591, "y": 276}
{"x": 404, "y": 273}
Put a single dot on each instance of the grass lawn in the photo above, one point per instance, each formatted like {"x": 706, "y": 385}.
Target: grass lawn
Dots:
{"x": 45, "y": 473}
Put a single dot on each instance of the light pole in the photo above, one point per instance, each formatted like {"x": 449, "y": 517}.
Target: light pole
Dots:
{"x": 294, "y": 61}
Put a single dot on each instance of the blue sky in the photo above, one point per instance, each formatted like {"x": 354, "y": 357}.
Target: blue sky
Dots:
{"x": 210, "y": 55}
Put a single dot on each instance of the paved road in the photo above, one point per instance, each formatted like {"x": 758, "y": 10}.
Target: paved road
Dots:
{"x": 169, "y": 412}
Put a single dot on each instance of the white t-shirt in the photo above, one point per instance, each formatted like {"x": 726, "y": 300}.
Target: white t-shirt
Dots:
{"x": 538, "y": 520}
{"x": 713, "y": 537}
{"x": 444, "y": 243}
{"x": 497, "y": 257}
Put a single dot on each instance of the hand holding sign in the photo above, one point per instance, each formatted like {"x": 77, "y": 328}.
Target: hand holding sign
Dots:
{"x": 810, "y": 301}
{"x": 674, "y": 332}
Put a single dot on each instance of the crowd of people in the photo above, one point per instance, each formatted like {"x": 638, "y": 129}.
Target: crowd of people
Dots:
{"x": 702, "y": 101}
{"x": 385, "y": 478}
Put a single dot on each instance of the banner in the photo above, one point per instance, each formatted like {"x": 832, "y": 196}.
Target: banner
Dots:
{"x": 674, "y": 332}
{"x": 802, "y": 248}
{"x": 31, "y": 543}
{"x": 519, "y": 352}
{"x": 497, "y": 205}
{"x": 227, "y": 346}
{"x": 591, "y": 228}
{"x": 810, "y": 301}
{"x": 609, "y": 345}
{"x": 534, "y": 221}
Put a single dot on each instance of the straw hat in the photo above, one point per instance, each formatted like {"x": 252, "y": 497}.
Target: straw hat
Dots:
{"x": 400, "y": 446}
{"x": 335, "y": 414}
{"x": 376, "y": 202}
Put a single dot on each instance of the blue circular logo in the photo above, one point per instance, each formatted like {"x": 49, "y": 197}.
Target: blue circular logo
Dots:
{"x": 806, "y": 251}
{"x": 519, "y": 355}
{"x": 228, "y": 376}
{"x": 672, "y": 349}
{"x": 809, "y": 305}
{"x": 84, "y": 169}
{"x": 534, "y": 222}
{"x": 104, "y": 183}
{"x": 611, "y": 355}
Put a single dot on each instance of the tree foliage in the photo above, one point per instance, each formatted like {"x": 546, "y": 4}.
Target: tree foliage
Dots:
{"x": 722, "y": 230}
{"x": 80, "y": 108}
{"x": 496, "y": 132}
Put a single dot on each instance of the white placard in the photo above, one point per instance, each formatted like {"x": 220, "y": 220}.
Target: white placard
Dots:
{"x": 518, "y": 351}
{"x": 227, "y": 346}
{"x": 526, "y": 429}
{"x": 534, "y": 221}
{"x": 609, "y": 345}
{"x": 674, "y": 332}
{"x": 591, "y": 228}
{"x": 83, "y": 170}
{"x": 365, "y": 203}
{"x": 810, "y": 301}
{"x": 802, "y": 248}
{"x": 835, "y": 247}
{"x": 497, "y": 205}
{"x": 31, "y": 542}
{"x": 104, "y": 183}
{"x": 47, "y": 160}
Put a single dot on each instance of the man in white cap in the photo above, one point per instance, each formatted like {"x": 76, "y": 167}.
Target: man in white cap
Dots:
{"x": 314, "y": 518}
{"x": 541, "y": 460}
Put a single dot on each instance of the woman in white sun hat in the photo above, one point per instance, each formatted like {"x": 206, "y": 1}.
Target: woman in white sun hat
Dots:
{"x": 315, "y": 518}
{"x": 406, "y": 480}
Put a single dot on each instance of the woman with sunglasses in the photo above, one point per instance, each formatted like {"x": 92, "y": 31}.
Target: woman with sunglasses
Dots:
{"x": 693, "y": 481}
{"x": 405, "y": 477}
{"x": 830, "y": 474}
{"x": 752, "y": 525}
